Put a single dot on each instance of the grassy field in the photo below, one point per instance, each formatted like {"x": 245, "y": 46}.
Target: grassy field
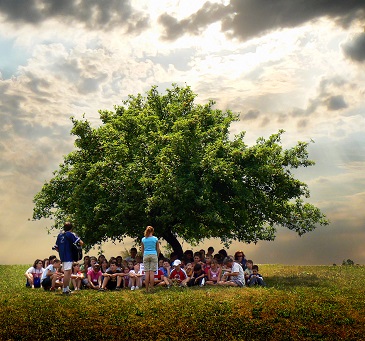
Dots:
{"x": 299, "y": 303}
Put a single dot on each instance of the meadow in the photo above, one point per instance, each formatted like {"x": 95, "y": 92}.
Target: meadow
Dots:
{"x": 299, "y": 303}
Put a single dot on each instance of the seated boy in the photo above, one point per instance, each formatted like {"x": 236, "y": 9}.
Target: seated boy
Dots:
{"x": 248, "y": 270}
{"x": 198, "y": 276}
{"x": 177, "y": 275}
{"x": 255, "y": 278}
{"x": 52, "y": 277}
{"x": 159, "y": 279}
{"x": 112, "y": 278}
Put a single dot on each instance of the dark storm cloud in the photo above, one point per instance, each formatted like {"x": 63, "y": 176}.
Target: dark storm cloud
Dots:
{"x": 252, "y": 114}
{"x": 328, "y": 87}
{"x": 355, "y": 48}
{"x": 250, "y": 18}
{"x": 336, "y": 103}
{"x": 94, "y": 14}
{"x": 302, "y": 123}
{"x": 21, "y": 10}
{"x": 9, "y": 104}
{"x": 89, "y": 85}
{"x": 38, "y": 86}
{"x": 197, "y": 22}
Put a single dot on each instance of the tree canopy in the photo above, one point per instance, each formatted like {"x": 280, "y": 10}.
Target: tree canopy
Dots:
{"x": 165, "y": 161}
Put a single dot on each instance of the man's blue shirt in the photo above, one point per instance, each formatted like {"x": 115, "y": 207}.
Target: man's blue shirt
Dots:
{"x": 64, "y": 244}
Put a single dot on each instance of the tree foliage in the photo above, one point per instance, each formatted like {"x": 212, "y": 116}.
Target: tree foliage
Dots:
{"x": 348, "y": 262}
{"x": 165, "y": 161}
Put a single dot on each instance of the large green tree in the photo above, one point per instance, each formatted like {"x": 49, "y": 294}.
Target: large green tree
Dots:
{"x": 165, "y": 161}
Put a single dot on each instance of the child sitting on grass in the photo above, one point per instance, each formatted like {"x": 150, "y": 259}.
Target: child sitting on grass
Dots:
{"x": 178, "y": 275}
{"x": 166, "y": 270}
{"x": 34, "y": 274}
{"x": 234, "y": 275}
{"x": 159, "y": 279}
{"x": 135, "y": 277}
{"x": 52, "y": 277}
{"x": 126, "y": 277}
{"x": 255, "y": 278}
{"x": 112, "y": 278}
{"x": 198, "y": 260}
{"x": 76, "y": 276}
{"x": 248, "y": 270}
{"x": 94, "y": 277}
{"x": 214, "y": 273}
{"x": 198, "y": 276}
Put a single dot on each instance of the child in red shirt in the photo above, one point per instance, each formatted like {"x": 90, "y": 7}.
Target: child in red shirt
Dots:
{"x": 177, "y": 275}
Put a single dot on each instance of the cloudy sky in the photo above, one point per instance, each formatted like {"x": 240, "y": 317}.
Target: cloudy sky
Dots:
{"x": 296, "y": 65}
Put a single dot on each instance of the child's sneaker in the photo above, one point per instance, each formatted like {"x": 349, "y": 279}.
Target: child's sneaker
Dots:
{"x": 118, "y": 289}
{"x": 101, "y": 289}
{"x": 136, "y": 287}
{"x": 133, "y": 287}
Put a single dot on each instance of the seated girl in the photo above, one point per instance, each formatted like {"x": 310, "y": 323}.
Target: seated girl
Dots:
{"x": 135, "y": 277}
{"x": 214, "y": 273}
{"x": 34, "y": 274}
{"x": 76, "y": 276}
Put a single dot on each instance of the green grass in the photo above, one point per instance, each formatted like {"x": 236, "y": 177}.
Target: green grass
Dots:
{"x": 299, "y": 303}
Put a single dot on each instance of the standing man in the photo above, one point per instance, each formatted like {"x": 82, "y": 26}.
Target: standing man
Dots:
{"x": 64, "y": 247}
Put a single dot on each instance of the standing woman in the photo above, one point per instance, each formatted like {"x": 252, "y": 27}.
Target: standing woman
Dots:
{"x": 150, "y": 252}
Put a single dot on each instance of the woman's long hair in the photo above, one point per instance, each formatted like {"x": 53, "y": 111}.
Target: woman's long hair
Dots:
{"x": 149, "y": 230}
{"x": 36, "y": 262}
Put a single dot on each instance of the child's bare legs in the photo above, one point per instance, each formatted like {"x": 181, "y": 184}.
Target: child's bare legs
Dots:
{"x": 228, "y": 283}
{"x": 54, "y": 284}
{"x": 184, "y": 283}
{"x": 77, "y": 284}
{"x": 132, "y": 282}
{"x": 211, "y": 282}
{"x": 30, "y": 280}
{"x": 166, "y": 281}
{"x": 139, "y": 282}
{"x": 105, "y": 282}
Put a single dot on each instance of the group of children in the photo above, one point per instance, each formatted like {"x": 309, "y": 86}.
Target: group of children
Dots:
{"x": 194, "y": 269}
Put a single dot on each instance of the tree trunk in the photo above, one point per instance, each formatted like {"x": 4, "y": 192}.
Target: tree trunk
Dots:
{"x": 174, "y": 243}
